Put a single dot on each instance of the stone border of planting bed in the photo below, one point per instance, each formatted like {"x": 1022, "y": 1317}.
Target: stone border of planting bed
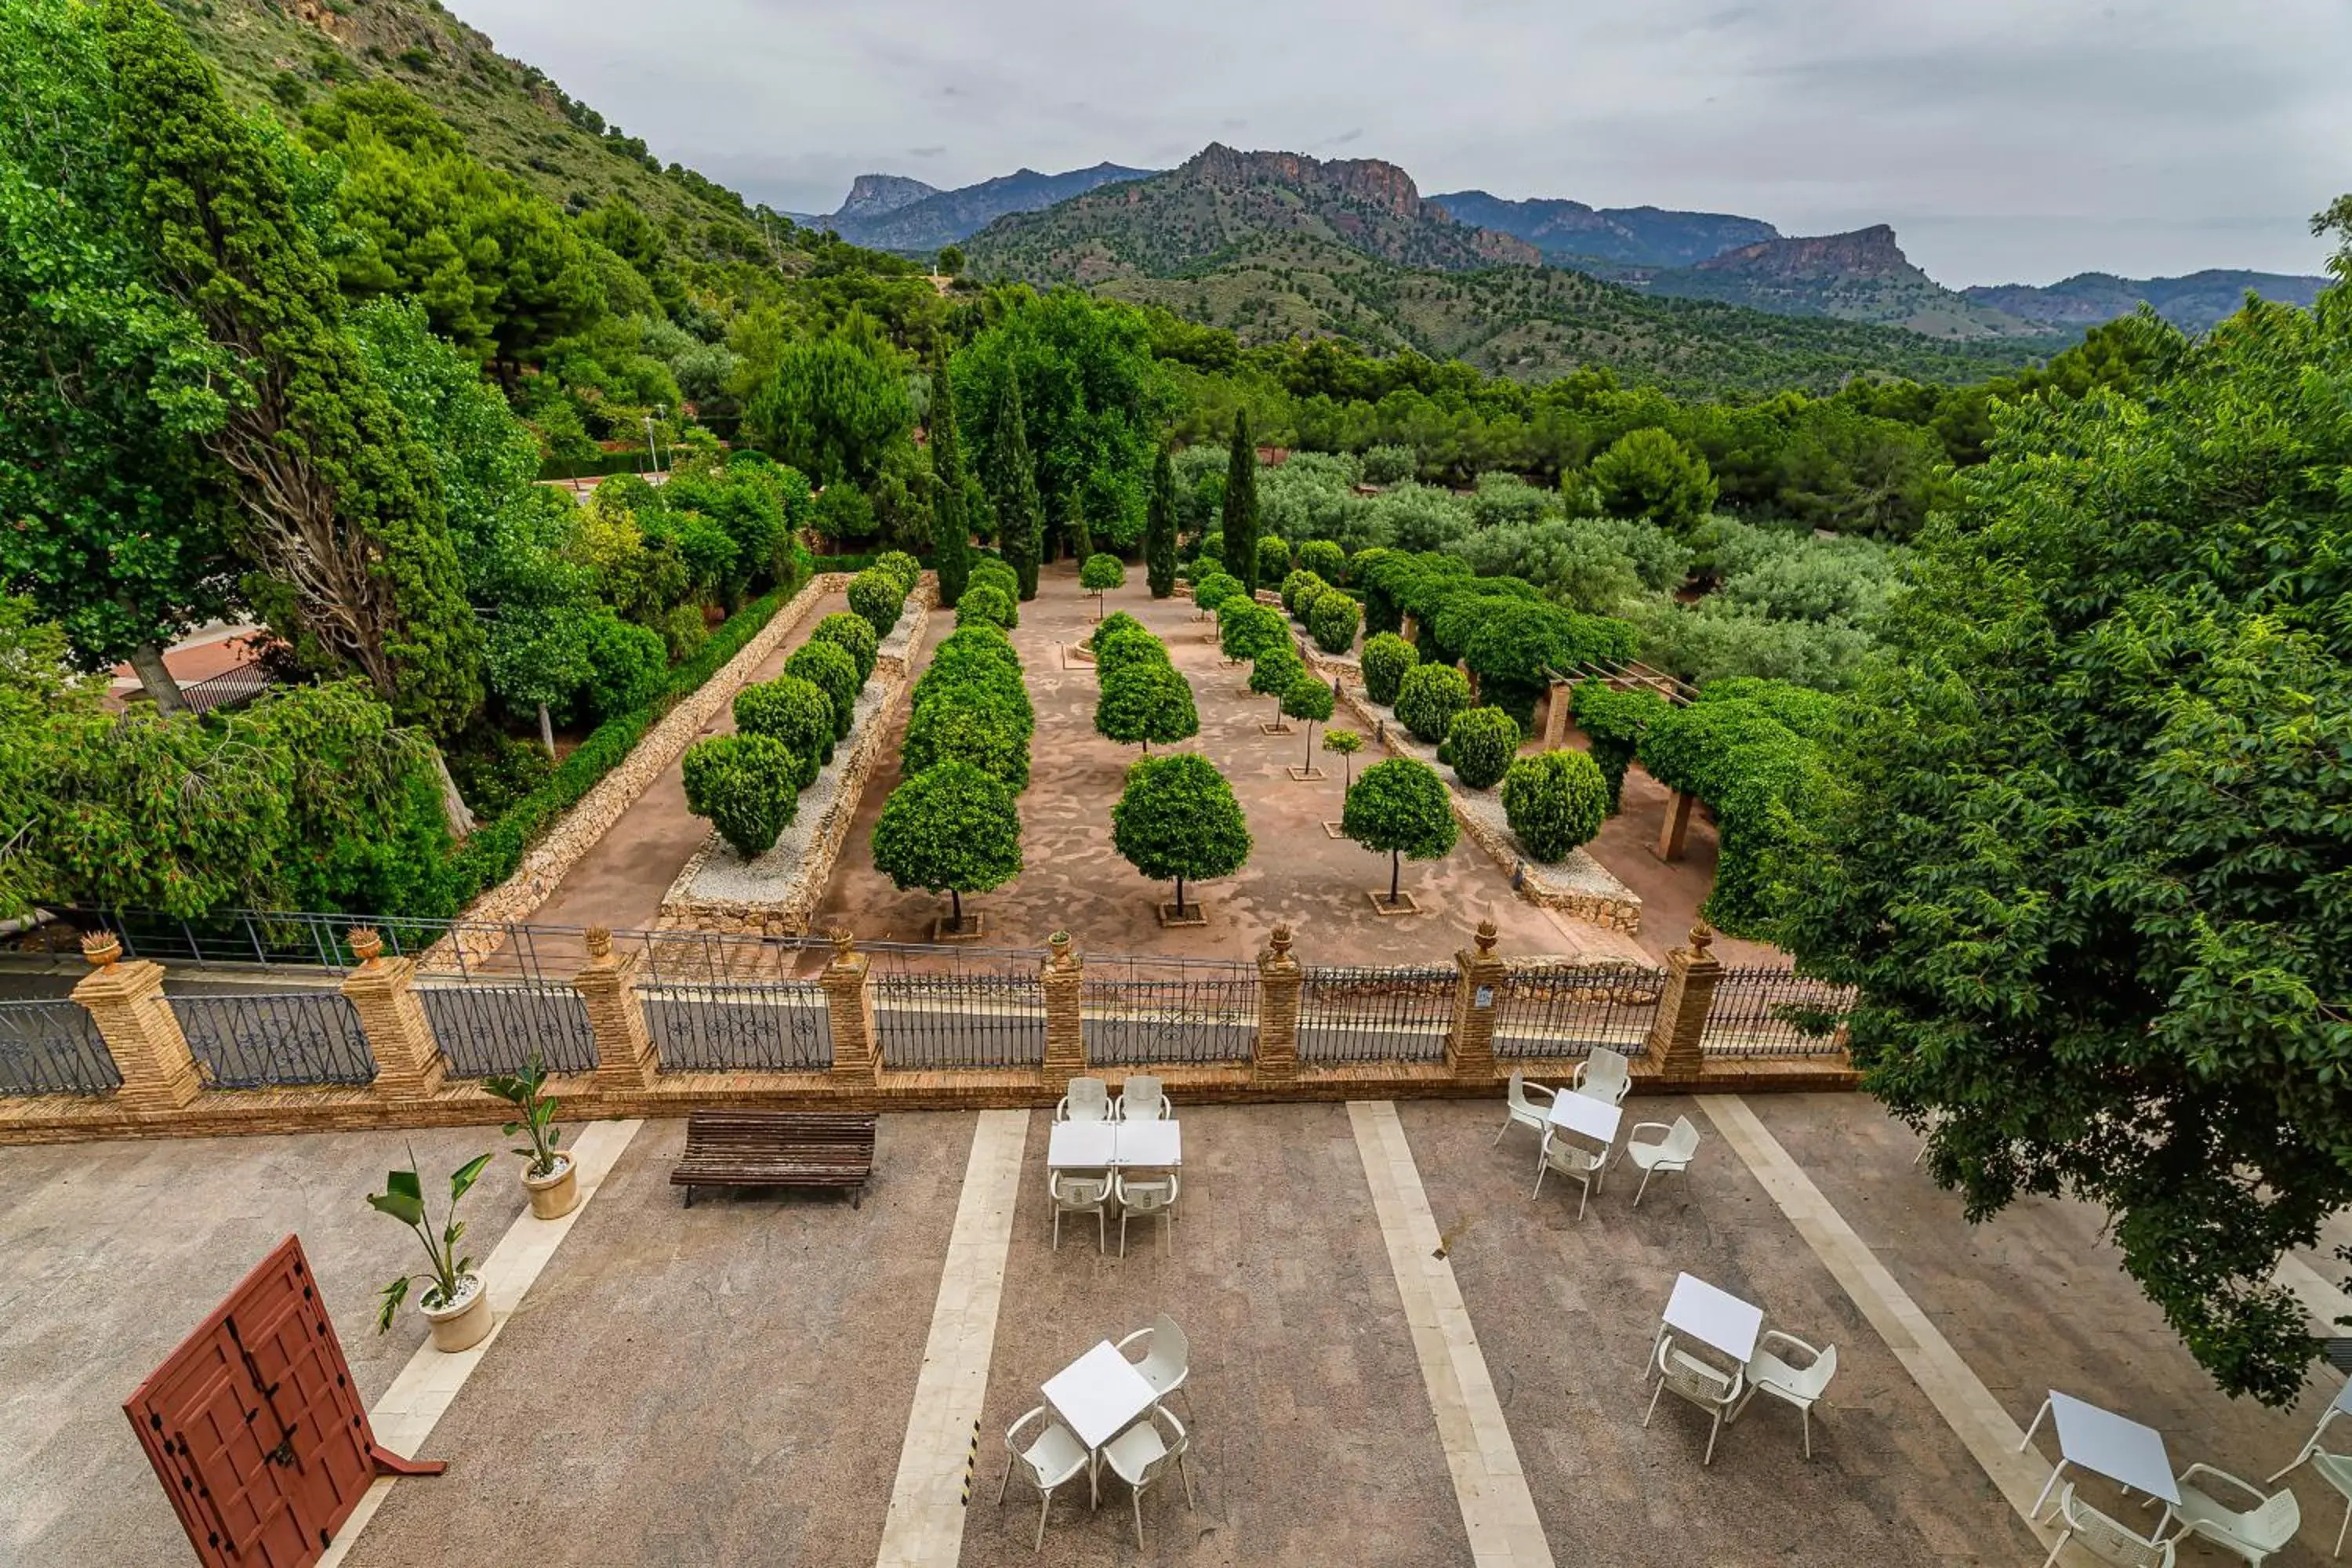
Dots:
{"x": 776, "y": 894}
{"x": 1578, "y": 887}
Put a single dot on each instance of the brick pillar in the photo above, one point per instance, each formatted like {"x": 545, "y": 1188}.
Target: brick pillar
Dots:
{"x": 1676, "y": 827}
{"x": 1671, "y": 1049}
{"x": 1063, "y": 977}
{"x": 1409, "y": 628}
{"x": 1276, "y": 1056}
{"x": 849, "y": 1005}
{"x": 408, "y": 1062}
{"x": 1470, "y": 1044}
{"x": 126, "y": 1002}
{"x": 625, "y": 1059}
{"x": 1556, "y": 704}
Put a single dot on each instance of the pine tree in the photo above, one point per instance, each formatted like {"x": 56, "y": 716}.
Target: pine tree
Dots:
{"x": 950, "y": 524}
{"x": 1160, "y": 527}
{"x": 1240, "y": 526}
{"x": 1012, "y": 486}
{"x": 342, "y": 510}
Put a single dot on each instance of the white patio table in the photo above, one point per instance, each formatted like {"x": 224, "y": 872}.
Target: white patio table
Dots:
{"x": 1081, "y": 1145}
{"x": 1715, "y": 1319}
{"x": 1101, "y": 1395}
{"x": 2105, "y": 1444}
{"x": 1587, "y": 1117}
{"x": 1156, "y": 1145}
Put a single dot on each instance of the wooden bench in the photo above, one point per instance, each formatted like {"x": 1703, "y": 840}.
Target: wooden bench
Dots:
{"x": 776, "y": 1149}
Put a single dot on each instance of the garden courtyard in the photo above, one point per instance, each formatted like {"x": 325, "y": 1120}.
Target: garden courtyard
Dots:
{"x": 1397, "y": 1356}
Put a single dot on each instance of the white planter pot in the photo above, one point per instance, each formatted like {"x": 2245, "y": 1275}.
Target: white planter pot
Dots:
{"x": 464, "y": 1322}
{"x": 553, "y": 1196}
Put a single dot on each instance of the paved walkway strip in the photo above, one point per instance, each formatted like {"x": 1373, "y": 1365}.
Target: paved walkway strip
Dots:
{"x": 1960, "y": 1396}
{"x": 411, "y": 1407}
{"x": 925, "y": 1525}
{"x": 1487, "y": 1482}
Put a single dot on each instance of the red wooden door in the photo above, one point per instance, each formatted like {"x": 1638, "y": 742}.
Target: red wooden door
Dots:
{"x": 254, "y": 1426}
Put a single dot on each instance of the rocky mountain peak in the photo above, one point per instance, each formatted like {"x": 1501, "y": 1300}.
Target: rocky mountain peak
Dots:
{"x": 871, "y": 195}
{"x": 1864, "y": 252}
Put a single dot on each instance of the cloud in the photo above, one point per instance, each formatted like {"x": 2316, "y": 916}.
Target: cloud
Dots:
{"x": 2005, "y": 138}
{"x": 927, "y": 151}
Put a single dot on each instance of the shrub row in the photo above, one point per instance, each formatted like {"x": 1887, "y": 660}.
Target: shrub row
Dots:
{"x": 1141, "y": 697}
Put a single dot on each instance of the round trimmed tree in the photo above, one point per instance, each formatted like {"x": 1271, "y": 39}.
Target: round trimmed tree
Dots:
{"x": 1344, "y": 744}
{"x": 1146, "y": 700}
{"x": 1479, "y": 746}
{"x": 1428, "y": 699}
{"x": 902, "y": 566}
{"x": 1399, "y": 806}
{"x": 1110, "y": 626}
{"x": 792, "y": 711}
{"x": 951, "y": 828}
{"x": 1273, "y": 558}
{"x": 991, "y": 570}
{"x": 1555, "y": 803}
{"x": 1212, "y": 590}
{"x": 1274, "y": 671}
{"x": 1333, "y": 621}
{"x": 1310, "y": 699}
{"x": 878, "y": 596}
{"x": 1100, "y": 574}
{"x": 1130, "y": 646}
{"x": 1386, "y": 658}
{"x": 744, "y": 785}
{"x": 971, "y": 724}
{"x": 1177, "y": 818}
{"x": 855, "y": 637}
{"x": 828, "y": 667}
{"x": 1325, "y": 558}
{"x": 1246, "y": 628}
{"x": 1295, "y": 584}
{"x": 987, "y": 603}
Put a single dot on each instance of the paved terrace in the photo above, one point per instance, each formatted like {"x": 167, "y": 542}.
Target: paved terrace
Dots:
{"x": 765, "y": 1380}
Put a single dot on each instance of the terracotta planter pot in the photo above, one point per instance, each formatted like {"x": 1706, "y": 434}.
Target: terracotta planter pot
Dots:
{"x": 553, "y": 1196}
{"x": 464, "y": 1325}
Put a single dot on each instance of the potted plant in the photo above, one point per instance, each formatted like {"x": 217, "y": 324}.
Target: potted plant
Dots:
{"x": 549, "y": 1176}
{"x": 454, "y": 1301}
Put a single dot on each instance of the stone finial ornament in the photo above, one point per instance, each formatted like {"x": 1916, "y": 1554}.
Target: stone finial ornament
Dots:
{"x": 366, "y": 945}
{"x": 102, "y": 949}
{"x": 599, "y": 942}
{"x": 1486, "y": 937}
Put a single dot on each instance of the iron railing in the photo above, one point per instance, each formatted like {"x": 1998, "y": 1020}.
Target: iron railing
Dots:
{"x": 1564, "y": 1010}
{"x": 53, "y": 1048}
{"x": 276, "y": 939}
{"x": 1351, "y": 1014}
{"x": 980, "y": 1018}
{"x": 269, "y": 1039}
{"x": 487, "y": 1027}
{"x": 229, "y": 688}
{"x": 701, "y": 1027}
{"x": 1137, "y": 1011}
{"x": 1774, "y": 1011}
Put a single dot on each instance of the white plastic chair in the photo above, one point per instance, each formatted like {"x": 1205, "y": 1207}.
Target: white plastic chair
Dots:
{"x": 1140, "y": 1100}
{"x": 2105, "y": 1538}
{"x": 1603, "y": 1074}
{"x": 1570, "y": 1160}
{"x": 2334, "y": 1408}
{"x": 2252, "y": 1535}
{"x": 2336, "y": 1469}
{"x": 1151, "y": 1195}
{"x": 1081, "y": 1192}
{"x": 1055, "y": 1457}
{"x": 1518, "y": 1111}
{"x": 1675, "y": 1151}
{"x": 1141, "y": 1455}
{"x": 1711, "y": 1390}
{"x": 1167, "y": 1357}
{"x": 1087, "y": 1099}
{"x": 1800, "y": 1387}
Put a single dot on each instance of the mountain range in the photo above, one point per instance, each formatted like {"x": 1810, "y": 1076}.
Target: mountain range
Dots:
{"x": 891, "y": 212}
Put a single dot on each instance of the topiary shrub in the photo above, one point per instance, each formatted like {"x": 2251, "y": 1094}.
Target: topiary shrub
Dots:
{"x": 1479, "y": 746}
{"x": 1145, "y": 700}
{"x": 828, "y": 668}
{"x": 1102, "y": 573}
{"x": 626, "y": 663}
{"x": 901, "y": 565}
{"x": 1386, "y": 658}
{"x": 1555, "y": 803}
{"x": 1129, "y": 647}
{"x": 855, "y": 637}
{"x": 1295, "y": 584}
{"x": 1246, "y": 628}
{"x": 975, "y": 725}
{"x": 1428, "y": 699}
{"x": 1273, "y": 558}
{"x": 1333, "y": 621}
{"x": 791, "y": 709}
{"x": 951, "y": 829}
{"x": 745, "y": 786}
{"x": 1276, "y": 668}
{"x": 878, "y": 596}
{"x": 1399, "y": 808}
{"x": 989, "y": 605}
{"x": 1210, "y": 593}
{"x": 1110, "y": 626}
{"x": 1178, "y": 819}
{"x": 1325, "y": 559}
{"x": 994, "y": 571}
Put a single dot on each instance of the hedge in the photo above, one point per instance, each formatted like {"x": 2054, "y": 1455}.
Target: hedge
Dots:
{"x": 1614, "y": 720}
{"x": 1555, "y": 803}
{"x": 1762, "y": 778}
{"x": 1429, "y": 698}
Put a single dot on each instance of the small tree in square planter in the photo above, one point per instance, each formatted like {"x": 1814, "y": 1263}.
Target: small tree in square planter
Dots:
{"x": 1399, "y": 806}
{"x": 454, "y": 1300}
{"x": 549, "y": 1176}
{"x": 1178, "y": 819}
{"x": 1309, "y": 699}
{"x": 1272, "y": 672}
{"x": 1099, "y": 575}
{"x": 1146, "y": 700}
{"x": 950, "y": 829}
{"x": 1343, "y": 745}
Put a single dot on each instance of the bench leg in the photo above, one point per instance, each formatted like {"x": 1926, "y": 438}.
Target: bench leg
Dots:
{"x": 689, "y": 1195}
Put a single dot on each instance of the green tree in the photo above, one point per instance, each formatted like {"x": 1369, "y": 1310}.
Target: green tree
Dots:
{"x": 1272, "y": 558}
{"x": 950, "y": 517}
{"x": 828, "y": 667}
{"x": 1308, "y": 699}
{"x": 1013, "y": 491}
{"x": 832, "y": 409}
{"x": 1160, "y": 527}
{"x": 747, "y": 786}
{"x": 1325, "y": 558}
{"x": 1177, "y": 818}
{"x": 986, "y": 603}
{"x": 794, "y": 711}
{"x": 1479, "y": 745}
{"x": 949, "y": 263}
{"x": 1211, "y": 592}
{"x": 1555, "y": 803}
{"x": 1143, "y": 702}
{"x": 1100, "y": 575}
{"x": 1239, "y": 525}
{"x": 950, "y": 829}
{"x": 1246, "y": 628}
{"x": 856, "y": 636}
{"x": 974, "y": 724}
{"x": 1428, "y": 699}
{"x": 1399, "y": 806}
{"x": 1649, "y": 474}
{"x": 2082, "y": 845}
{"x": 1614, "y": 721}
{"x": 1344, "y": 744}
{"x": 1274, "y": 670}
{"x": 1334, "y": 620}
{"x": 1385, "y": 660}
{"x": 537, "y": 658}
{"x": 877, "y": 597}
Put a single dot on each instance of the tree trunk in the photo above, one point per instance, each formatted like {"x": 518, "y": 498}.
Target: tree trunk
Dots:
{"x": 1396, "y": 865}
{"x": 546, "y": 732}
{"x": 454, "y": 809}
{"x": 1180, "y": 897}
{"x": 955, "y": 902}
{"x": 1308, "y": 766}
{"x": 147, "y": 663}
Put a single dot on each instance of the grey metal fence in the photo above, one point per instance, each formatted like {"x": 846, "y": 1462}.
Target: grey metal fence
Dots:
{"x": 1774, "y": 1012}
{"x": 699, "y": 1027}
{"x": 494, "y": 1027}
{"x": 1564, "y": 1010}
{"x": 1349, "y": 1014}
{"x": 1136, "y": 1011}
{"x": 275, "y": 1039}
{"x": 53, "y": 1048}
{"x": 981, "y": 1018}
{"x": 230, "y": 688}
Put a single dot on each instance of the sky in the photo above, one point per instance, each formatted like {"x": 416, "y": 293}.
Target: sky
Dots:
{"x": 2007, "y": 141}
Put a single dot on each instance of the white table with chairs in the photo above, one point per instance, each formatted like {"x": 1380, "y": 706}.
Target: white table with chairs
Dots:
{"x": 1712, "y": 1348}
{"x": 1098, "y": 1145}
{"x": 1105, "y": 1410}
{"x": 2126, "y": 1451}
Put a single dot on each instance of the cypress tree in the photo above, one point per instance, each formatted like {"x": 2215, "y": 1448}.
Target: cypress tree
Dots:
{"x": 1012, "y": 486}
{"x": 1160, "y": 527}
{"x": 950, "y": 524}
{"x": 1241, "y": 504}
{"x": 340, "y": 510}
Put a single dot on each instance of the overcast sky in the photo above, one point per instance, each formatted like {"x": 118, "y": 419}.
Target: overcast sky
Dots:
{"x": 2005, "y": 140}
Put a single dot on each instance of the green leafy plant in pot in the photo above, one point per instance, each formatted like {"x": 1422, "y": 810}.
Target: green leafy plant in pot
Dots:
{"x": 548, "y": 1176}
{"x": 454, "y": 1300}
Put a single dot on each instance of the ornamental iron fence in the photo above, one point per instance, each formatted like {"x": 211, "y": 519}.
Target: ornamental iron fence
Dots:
{"x": 1566, "y": 1009}
{"x": 275, "y": 1039}
{"x": 1138, "y": 1011}
{"x": 978, "y": 1018}
{"x": 1351, "y": 1014}
{"x": 703, "y": 1027}
{"x": 494, "y": 1027}
{"x": 1774, "y": 1012}
{"x": 53, "y": 1048}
